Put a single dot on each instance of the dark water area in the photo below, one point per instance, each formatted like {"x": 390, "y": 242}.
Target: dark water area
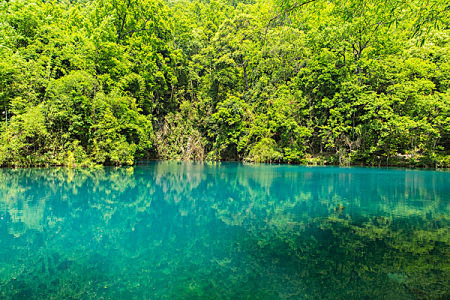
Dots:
{"x": 169, "y": 230}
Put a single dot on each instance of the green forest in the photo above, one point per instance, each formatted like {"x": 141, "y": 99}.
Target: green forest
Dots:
{"x": 115, "y": 82}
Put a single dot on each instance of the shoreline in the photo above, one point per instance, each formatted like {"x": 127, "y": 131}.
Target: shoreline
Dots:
{"x": 93, "y": 166}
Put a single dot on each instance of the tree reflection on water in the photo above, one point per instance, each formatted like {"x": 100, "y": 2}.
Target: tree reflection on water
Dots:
{"x": 189, "y": 230}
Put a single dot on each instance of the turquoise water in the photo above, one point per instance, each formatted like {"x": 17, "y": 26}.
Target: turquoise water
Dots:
{"x": 169, "y": 230}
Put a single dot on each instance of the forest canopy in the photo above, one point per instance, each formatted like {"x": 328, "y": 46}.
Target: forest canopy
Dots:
{"x": 320, "y": 82}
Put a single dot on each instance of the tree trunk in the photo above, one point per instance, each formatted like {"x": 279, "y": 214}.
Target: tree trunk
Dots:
{"x": 244, "y": 65}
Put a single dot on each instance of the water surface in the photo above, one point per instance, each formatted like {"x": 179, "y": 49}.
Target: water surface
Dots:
{"x": 169, "y": 230}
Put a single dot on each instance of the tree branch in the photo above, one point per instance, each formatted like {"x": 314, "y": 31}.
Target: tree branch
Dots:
{"x": 292, "y": 8}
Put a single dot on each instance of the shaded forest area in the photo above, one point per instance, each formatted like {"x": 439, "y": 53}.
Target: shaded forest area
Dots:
{"x": 318, "y": 82}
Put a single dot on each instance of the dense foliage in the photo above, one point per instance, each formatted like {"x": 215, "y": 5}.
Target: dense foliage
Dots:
{"x": 112, "y": 82}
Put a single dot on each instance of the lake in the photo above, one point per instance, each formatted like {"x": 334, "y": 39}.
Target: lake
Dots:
{"x": 172, "y": 230}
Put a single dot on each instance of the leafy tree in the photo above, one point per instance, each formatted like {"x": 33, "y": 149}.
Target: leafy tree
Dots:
{"x": 338, "y": 82}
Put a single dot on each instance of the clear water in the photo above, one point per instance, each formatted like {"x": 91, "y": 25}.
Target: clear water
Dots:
{"x": 169, "y": 230}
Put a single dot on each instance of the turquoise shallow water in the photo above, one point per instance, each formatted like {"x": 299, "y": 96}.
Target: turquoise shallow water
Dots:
{"x": 169, "y": 230}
